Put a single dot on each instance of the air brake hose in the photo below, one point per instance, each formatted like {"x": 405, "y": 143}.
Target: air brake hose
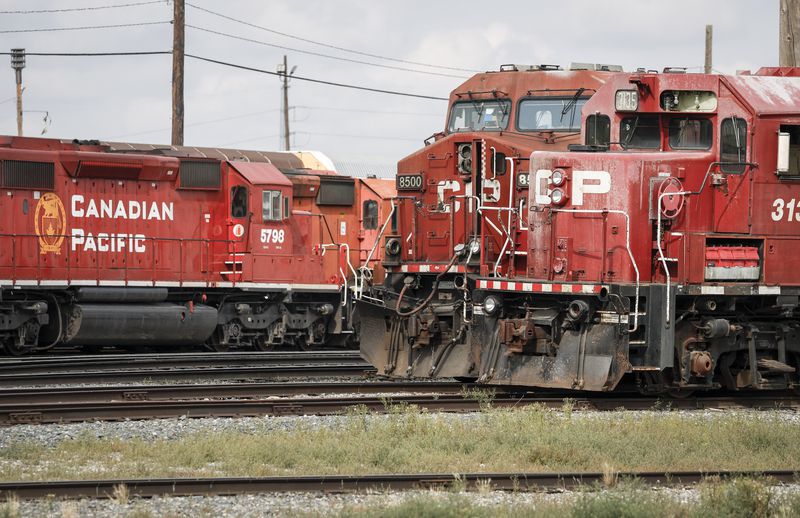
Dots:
{"x": 430, "y": 296}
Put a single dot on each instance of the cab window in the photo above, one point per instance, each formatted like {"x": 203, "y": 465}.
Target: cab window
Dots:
{"x": 598, "y": 130}
{"x": 239, "y": 202}
{"x": 690, "y": 133}
{"x": 640, "y": 132}
{"x": 479, "y": 115}
{"x": 271, "y": 206}
{"x": 550, "y": 114}
{"x": 733, "y": 145}
{"x": 370, "y": 215}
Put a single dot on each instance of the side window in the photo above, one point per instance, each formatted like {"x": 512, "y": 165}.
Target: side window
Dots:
{"x": 640, "y": 132}
{"x": 794, "y": 149}
{"x": 690, "y": 133}
{"x": 370, "y": 215}
{"x": 598, "y": 130}
{"x": 271, "y": 206}
{"x": 239, "y": 202}
{"x": 733, "y": 144}
{"x": 286, "y": 208}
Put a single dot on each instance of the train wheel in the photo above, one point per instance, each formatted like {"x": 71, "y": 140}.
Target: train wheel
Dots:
{"x": 304, "y": 345}
{"x": 13, "y": 349}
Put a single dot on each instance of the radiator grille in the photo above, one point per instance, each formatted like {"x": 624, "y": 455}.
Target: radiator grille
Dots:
{"x": 18, "y": 174}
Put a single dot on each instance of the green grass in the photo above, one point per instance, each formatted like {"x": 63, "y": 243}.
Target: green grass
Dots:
{"x": 409, "y": 441}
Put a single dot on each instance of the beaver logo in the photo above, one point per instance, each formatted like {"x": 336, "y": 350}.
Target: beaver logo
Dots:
{"x": 50, "y": 221}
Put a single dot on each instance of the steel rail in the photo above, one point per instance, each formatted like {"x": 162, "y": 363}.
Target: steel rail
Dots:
{"x": 521, "y": 481}
{"x": 104, "y": 394}
{"x": 265, "y": 372}
{"x": 28, "y": 413}
{"x": 164, "y": 360}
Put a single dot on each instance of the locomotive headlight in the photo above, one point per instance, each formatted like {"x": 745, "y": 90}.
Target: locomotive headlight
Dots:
{"x": 393, "y": 246}
{"x": 491, "y": 305}
{"x": 558, "y": 177}
{"x": 475, "y": 247}
{"x": 558, "y": 197}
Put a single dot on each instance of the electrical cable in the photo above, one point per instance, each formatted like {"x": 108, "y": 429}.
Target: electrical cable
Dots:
{"x": 343, "y": 49}
{"x": 318, "y": 81}
{"x": 93, "y": 8}
{"x": 83, "y": 28}
{"x": 234, "y": 65}
{"x": 319, "y": 54}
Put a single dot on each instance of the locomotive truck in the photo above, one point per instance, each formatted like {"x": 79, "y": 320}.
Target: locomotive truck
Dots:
{"x": 139, "y": 245}
{"x": 661, "y": 250}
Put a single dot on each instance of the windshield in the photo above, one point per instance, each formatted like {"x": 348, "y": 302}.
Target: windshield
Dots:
{"x": 551, "y": 114}
{"x": 479, "y": 115}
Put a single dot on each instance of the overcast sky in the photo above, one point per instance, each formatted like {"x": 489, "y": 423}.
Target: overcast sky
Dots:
{"x": 128, "y": 98}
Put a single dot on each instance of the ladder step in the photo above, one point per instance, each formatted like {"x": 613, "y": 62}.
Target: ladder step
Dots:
{"x": 775, "y": 366}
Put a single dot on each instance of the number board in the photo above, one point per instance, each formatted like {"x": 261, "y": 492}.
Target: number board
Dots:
{"x": 409, "y": 182}
{"x": 523, "y": 180}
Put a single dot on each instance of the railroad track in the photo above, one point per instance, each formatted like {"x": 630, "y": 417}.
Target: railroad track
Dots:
{"x": 14, "y": 413}
{"x": 105, "y": 394}
{"x": 178, "y": 366}
{"x": 349, "y": 483}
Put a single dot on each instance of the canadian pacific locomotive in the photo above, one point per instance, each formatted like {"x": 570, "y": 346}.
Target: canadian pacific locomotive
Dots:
{"x": 137, "y": 245}
{"x": 660, "y": 249}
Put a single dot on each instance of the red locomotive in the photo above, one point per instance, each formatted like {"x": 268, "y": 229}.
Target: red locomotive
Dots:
{"x": 659, "y": 249}
{"x": 129, "y": 245}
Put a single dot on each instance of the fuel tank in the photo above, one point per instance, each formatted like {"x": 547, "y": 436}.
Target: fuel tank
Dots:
{"x": 153, "y": 324}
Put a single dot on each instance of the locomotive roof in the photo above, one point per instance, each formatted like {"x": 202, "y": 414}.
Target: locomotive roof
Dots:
{"x": 769, "y": 94}
{"x": 260, "y": 173}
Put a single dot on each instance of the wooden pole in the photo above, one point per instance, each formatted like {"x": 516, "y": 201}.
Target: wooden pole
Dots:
{"x": 286, "y": 135}
{"x": 178, "y": 45}
{"x": 709, "y": 37}
{"x": 789, "y": 50}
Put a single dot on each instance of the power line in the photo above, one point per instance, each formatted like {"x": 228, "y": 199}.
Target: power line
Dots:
{"x": 359, "y": 110}
{"x": 319, "y": 54}
{"x": 319, "y": 81}
{"x": 233, "y": 65}
{"x": 83, "y": 28}
{"x": 92, "y": 54}
{"x": 343, "y": 49}
{"x": 91, "y": 8}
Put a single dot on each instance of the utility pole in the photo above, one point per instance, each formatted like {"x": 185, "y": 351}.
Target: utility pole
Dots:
{"x": 18, "y": 63}
{"x": 709, "y": 38}
{"x": 789, "y": 53}
{"x": 284, "y": 73}
{"x": 178, "y": 45}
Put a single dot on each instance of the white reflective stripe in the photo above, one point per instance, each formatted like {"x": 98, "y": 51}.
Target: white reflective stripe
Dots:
{"x": 587, "y": 288}
{"x": 195, "y": 284}
{"x": 769, "y": 290}
{"x": 712, "y": 290}
{"x": 566, "y": 288}
{"x": 27, "y": 283}
{"x": 527, "y": 286}
{"x": 54, "y": 283}
{"x": 547, "y": 288}
{"x": 496, "y": 285}
{"x": 140, "y": 283}
{"x": 424, "y": 268}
